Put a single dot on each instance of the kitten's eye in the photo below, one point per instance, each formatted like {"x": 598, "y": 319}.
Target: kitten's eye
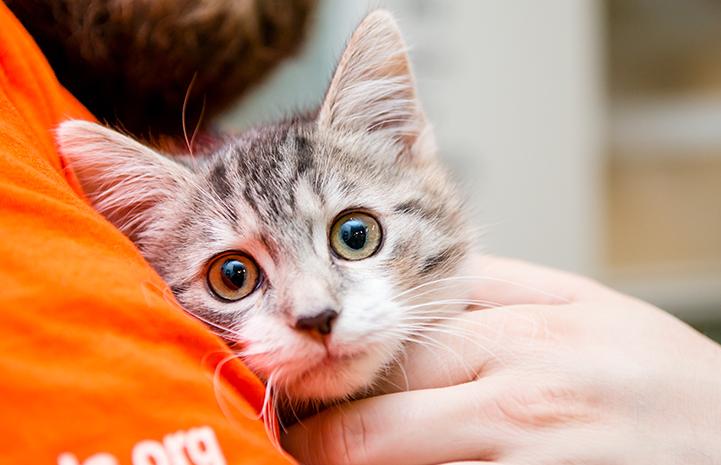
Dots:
{"x": 232, "y": 276}
{"x": 355, "y": 236}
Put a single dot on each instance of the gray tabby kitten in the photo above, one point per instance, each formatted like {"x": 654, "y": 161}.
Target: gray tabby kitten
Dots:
{"x": 317, "y": 244}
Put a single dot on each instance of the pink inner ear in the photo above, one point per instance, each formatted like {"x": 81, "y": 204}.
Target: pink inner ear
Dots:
{"x": 121, "y": 177}
{"x": 373, "y": 87}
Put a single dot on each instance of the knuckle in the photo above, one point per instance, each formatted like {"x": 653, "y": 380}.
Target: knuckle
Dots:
{"x": 345, "y": 439}
{"x": 546, "y": 404}
{"x": 528, "y": 330}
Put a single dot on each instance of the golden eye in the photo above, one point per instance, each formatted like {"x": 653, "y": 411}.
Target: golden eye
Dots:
{"x": 232, "y": 276}
{"x": 355, "y": 236}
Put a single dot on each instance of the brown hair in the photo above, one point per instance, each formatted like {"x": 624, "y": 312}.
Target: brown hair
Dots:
{"x": 131, "y": 62}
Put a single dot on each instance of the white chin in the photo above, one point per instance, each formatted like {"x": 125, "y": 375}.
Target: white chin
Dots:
{"x": 335, "y": 379}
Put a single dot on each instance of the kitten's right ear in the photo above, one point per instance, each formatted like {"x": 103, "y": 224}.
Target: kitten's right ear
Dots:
{"x": 121, "y": 177}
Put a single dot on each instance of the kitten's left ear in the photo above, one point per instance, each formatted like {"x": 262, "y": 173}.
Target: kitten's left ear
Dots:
{"x": 373, "y": 88}
{"x": 121, "y": 177}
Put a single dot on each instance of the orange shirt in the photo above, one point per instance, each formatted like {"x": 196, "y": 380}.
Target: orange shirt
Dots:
{"x": 98, "y": 364}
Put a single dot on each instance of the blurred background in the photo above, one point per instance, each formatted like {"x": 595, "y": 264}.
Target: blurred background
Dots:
{"x": 587, "y": 133}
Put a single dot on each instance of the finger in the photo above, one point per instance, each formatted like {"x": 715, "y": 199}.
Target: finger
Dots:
{"x": 469, "y": 463}
{"x": 407, "y": 428}
{"x": 511, "y": 282}
{"x": 477, "y": 344}
{"x": 462, "y": 348}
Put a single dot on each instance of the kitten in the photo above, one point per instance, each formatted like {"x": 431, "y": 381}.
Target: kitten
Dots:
{"x": 316, "y": 243}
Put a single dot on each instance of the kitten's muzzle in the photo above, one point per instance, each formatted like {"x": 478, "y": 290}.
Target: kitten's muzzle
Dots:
{"x": 321, "y": 323}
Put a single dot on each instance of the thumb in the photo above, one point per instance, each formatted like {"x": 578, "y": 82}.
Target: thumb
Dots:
{"x": 405, "y": 428}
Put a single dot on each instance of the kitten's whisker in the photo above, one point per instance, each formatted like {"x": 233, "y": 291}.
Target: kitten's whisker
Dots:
{"x": 268, "y": 393}
{"x": 431, "y": 325}
{"x": 432, "y": 286}
{"x": 221, "y": 401}
{"x": 226, "y": 331}
{"x": 167, "y": 296}
{"x": 292, "y": 408}
{"x": 468, "y": 302}
{"x": 463, "y": 333}
{"x": 432, "y": 322}
{"x": 182, "y": 113}
{"x": 198, "y": 124}
{"x": 267, "y": 412}
{"x": 455, "y": 332}
{"x": 403, "y": 372}
{"x": 427, "y": 341}
{"x": 469, "y": 338}
{"x": 394, "y": 360}
{"x": 482, "y": 278}
{"x": 422, "y": 285}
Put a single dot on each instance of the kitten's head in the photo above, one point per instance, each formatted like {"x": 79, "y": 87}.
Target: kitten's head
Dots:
{"x": 305, "y": 241}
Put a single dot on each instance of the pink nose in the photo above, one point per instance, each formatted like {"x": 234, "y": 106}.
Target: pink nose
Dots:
{"x": 320, "y": 323}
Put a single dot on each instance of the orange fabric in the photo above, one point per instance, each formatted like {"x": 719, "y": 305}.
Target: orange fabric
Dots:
{"x": 98, "y": 364}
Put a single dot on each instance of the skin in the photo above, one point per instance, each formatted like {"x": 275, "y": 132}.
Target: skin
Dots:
{"x": 576, "y": 374}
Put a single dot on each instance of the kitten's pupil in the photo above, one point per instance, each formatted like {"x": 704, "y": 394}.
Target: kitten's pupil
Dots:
{"x": 232, "y": 276}
{"x": 234, "y": 273}
{"x": 353, "y": 233}
{"x": 355, "y": 236}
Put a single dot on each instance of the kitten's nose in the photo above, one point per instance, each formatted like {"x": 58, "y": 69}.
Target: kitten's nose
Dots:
{"x": 320, "y": 322}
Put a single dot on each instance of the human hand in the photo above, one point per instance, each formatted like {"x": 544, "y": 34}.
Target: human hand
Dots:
{"x": 576, "y": 374}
